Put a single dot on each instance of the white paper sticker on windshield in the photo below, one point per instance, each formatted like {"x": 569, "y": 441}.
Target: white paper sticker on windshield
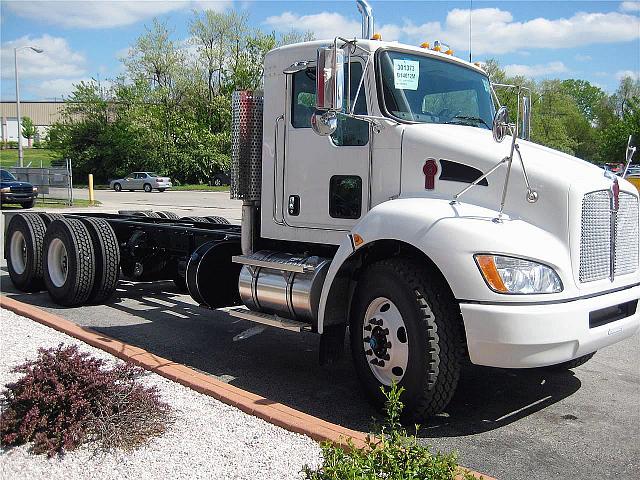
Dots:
{"x": 406, "y": 74}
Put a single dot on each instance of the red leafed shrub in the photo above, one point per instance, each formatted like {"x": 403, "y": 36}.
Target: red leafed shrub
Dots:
{"x": 66, "y": 398}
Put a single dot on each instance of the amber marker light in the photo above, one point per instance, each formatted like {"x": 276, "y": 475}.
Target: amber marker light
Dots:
{"x": 424, "y": 45}
{"x": 487, "y": 266}
{"x": 357, "y": 240}
{"x": 376, "y": 36}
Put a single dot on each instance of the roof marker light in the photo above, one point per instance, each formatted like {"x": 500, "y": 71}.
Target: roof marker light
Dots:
{"x": 376, "y": 36}
{"x": 424, "y": 45}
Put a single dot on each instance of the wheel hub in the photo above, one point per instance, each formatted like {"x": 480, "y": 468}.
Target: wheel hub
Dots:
{"x": 385, "y": 341}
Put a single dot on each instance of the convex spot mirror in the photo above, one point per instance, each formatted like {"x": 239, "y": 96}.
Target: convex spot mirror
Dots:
{"x": 330, "y": 79}
{"x": 500, "y": 124}
{"x": 631, "y": 150}
{"x": 324, "y": 123}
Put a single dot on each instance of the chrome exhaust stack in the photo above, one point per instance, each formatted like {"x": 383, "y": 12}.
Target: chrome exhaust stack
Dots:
{"x": 367, "y": 18}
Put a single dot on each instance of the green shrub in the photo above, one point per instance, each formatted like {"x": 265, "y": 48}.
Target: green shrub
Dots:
{"x": 66, "y": 398}
{"x": 391, "y": 454}
{"x": 12, "y": 144}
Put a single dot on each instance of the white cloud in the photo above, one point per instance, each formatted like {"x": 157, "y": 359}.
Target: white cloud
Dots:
{"x": 56, "y": 88}
{"x": 630, "y": 6}
{"x": 323, "y": 25}
{"x": 57, "y": 61}
{"x": 104, "y": 14}
{"x": 535, "y": 70}
{"x": 494, "y": 30}
{"x": 627, "y": 73}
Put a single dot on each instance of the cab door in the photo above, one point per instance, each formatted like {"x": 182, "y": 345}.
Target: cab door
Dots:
{"x": 326, "y": 179}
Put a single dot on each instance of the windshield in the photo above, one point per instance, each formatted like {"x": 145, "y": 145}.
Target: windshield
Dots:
{"x": 429, "y": 90}
{"x": 153, "y": 174}
{"x": 6, "y": 176}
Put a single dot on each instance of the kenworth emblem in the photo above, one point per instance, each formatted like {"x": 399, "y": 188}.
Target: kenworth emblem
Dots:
{"x": 430, "y": 169}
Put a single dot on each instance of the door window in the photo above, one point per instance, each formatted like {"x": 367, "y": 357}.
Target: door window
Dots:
{"x": 350, "y": 131}
{"x": 345, "y": 196}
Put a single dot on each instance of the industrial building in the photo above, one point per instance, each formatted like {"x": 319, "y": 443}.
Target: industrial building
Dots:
{"x": 43, "y": 115}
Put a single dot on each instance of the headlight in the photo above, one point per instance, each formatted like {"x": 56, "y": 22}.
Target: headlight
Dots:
{"x": 5, "y": 189}
{"x": 517, "y": 276}
{"x": 35, "y": 189}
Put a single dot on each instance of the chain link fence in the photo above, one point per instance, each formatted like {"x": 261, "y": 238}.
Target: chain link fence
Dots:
{"x": 55, "y": 184}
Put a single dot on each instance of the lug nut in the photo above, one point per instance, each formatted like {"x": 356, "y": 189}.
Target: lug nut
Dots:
{"x": 374, "y": 361}
{"x": 387, "y": 357}
{"x": 381, "y": 363}
{"x": 367, "y": 328}
{"x": 366, "y": 339}
{"x": 385, "y": 331}
{"x": 368, "y": 352}
{"x": 388, "y": 345}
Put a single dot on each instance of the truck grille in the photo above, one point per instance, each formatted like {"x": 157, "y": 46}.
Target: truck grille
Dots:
{"x": 596, "y": 246}
{"x": 22, "y": 189}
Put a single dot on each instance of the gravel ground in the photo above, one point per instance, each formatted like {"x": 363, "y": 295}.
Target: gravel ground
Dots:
{"x": 209, "y": 439}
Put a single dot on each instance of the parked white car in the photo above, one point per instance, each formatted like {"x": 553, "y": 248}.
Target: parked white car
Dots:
{"x": 146, "y": 181}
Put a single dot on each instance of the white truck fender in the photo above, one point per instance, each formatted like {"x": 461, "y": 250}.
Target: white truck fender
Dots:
{"x": 449, "y": 235}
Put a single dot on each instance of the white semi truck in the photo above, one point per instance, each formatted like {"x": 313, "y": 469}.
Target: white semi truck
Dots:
{"x": 383, "y": 190}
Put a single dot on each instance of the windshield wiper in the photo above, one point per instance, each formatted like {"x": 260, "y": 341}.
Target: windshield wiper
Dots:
{"x": 473, "y": 119}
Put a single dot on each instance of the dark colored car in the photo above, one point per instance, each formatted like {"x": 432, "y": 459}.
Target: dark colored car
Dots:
{"x": 14, "y": 191}
{"x": 220, "y": 178}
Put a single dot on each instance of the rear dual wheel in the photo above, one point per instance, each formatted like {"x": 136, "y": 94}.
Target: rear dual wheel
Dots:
{"x": 23, "y": 250}
{"x": 69, "y": 262}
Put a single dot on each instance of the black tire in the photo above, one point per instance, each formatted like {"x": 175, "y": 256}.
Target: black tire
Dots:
{"x": 28, "y": 204}
{"x": 196, "y": 219}
{"x": 107, "y": 252}
{"x": 117, "y": 187}
{"x": 168, "y": 215}
{"x": 147, "y": 187}
{"x": 161, "y": 190}
{"x": 215, "y": 219}
{"x": 434, "y": 332}
{"x": 50, "y": 217}
{"x": 576, "y": 362}
{"x": 24, "y": 260}
{"x": 135, "y": 213}
{"x": 74, "y": 287}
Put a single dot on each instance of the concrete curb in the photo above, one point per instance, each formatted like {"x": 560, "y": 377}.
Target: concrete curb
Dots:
{"x": 268, "y": 410}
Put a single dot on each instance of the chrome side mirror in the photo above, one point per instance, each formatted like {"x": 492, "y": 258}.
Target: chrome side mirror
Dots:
{"x": 324, "y": 124}
{"x": 631, "y": 149}
{"x": 525, "y": 131}
{"x": 330, "y": 79}
{"x": 500, "y": 124}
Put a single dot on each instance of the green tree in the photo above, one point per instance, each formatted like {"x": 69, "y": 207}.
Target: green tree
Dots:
{"x": 29, "y": 130}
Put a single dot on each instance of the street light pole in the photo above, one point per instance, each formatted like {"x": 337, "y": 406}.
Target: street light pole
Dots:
{"x": 15, "y": 59}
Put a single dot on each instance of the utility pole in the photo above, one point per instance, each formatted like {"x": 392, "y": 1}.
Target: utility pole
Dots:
{"x": 15, "y": 59}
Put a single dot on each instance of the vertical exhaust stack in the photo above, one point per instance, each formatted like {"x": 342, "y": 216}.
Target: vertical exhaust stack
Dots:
{"x": 367, "y": 18}
{"x": 246, "y": 161}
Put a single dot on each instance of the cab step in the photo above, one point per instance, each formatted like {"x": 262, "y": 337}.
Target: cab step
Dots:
{"x": 267, "y": 319}
{"x": 291, "y": 264}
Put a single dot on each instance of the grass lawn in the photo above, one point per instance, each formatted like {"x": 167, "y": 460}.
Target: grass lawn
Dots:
{"x": 54, "y": 203}
{"x": 205, "y": 188}
{"x": 9, "y": 158}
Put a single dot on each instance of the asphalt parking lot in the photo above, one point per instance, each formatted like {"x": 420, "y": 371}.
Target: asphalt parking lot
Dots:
{"x": 512, "y": 424}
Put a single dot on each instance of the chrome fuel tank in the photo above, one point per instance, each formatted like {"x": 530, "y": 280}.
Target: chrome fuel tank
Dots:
{"x": 285, "y": 284}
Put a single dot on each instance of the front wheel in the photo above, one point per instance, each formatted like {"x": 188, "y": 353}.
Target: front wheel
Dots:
{"x": 161, "y": 190}
{"x": 28, "y": 204}
{"x": 117, "y": 187}
{"x": 147, "y": 188}
{"x": 406, "y": 328}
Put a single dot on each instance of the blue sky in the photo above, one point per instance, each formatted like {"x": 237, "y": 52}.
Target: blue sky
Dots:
{"x": 596, "y": 41}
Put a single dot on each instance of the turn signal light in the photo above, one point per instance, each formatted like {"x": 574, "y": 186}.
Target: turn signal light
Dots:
{"x": 490, "y": 272}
